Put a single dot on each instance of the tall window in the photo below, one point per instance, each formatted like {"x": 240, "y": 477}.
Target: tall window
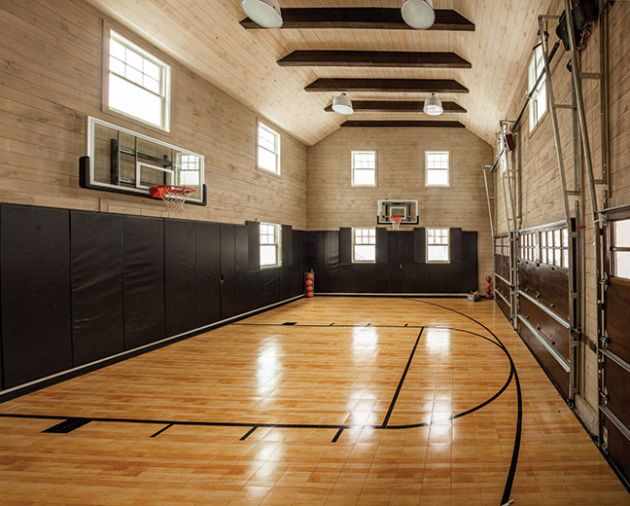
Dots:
{"x": 139, "y": 83}
{"x": 268, "y": 149}
{"x": 621, "y": 249}
{"x": 270, "y": 243}
{"x": 438, "y": 249}
{"x": 437, "y": 167}
{"x": 438, "y": 245}
{"x": 538, "y": 102}
{"x": 364, "y": 245}
{"x": 364, "y": 168}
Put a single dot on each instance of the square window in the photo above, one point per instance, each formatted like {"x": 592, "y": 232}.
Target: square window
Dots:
{"x": 437, "y": 167}
{"x": 268, "y": 158}
{"x": 438, "y": 248}
{"x": 139, "y": 83}
{"x": 270, "y": 245}
{"x": 363, "y": 245}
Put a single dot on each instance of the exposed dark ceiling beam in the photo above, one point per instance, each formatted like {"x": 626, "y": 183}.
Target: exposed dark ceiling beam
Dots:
{"x": 363, "y": 17}
{"x": 374, "y": 59}
{"x": 403, "y": 124}
{"x": 388, "y": 85}
{"x": 397, "y": 106}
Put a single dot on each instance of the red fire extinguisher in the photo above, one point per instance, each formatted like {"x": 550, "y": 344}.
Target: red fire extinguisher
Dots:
{"x": 309, "y": 283}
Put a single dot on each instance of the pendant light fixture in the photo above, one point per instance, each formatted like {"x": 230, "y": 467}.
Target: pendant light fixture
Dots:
{"x": 342, "y": 105}
{"x": 418, "y": 14}
{"x": 433, "y": 106}
{"x": 265, "y": 13}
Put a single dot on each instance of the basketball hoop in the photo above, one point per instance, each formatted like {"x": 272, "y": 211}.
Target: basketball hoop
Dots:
{"x": 395, "y": 221}
{"x": 173, "y": 196}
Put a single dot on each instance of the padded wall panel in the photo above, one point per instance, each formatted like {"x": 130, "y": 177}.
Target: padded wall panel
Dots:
{"x": 287, "y": 245}
{"x": 246, "y": 279}
{"x": 555, "y": 334}
{"x": 469, "y": 262}
{"x": 208, "y": 273}
{"x": 143, "y": 280}
{"x": 96, "y": 250}
{"x": 559, "y": 376}
{"x": 419, "y": 245}
{"x": 180, "y": 276}
{"x": 253, "y": 244}
{"x": 298, "y": 268}
{"x": 618, "y": 449}
{"x": 344, "y": 246}
{"x": 455, "y": 241}
{"x": 546, "y": 283}
{"x": 36, "y": 309}
{"x": 381, "y": 245}
{"x": 617, "y": 305}
{"x": 617, "y": 381}
{"x": 228, "y": 271}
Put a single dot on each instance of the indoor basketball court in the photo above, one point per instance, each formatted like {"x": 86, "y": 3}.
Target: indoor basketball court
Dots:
{"x": 314, "y": 252}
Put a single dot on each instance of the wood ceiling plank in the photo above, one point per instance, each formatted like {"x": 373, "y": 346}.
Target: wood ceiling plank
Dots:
{"x": 363, "y": 18}
{"x": 402, "y": 124}
{"x": 398, "y": 59}
{"x": 398, "y": 106}
{"x": 387, "y": 85}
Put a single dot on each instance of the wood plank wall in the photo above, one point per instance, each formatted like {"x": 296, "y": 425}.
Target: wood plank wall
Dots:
{"x": 540, "y": 197}
{"x": 334, "y": 203}
{"x": 50, "y": 81}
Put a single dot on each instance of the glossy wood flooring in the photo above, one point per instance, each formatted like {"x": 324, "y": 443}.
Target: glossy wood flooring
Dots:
{"x": 322, "y": 401}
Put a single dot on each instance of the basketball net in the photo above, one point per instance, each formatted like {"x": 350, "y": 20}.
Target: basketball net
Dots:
{"x": 396, "y": 220}
{"x": 173, "y": 196}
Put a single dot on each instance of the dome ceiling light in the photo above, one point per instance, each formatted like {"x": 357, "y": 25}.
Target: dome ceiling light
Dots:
{"x": 342, "y": 105}
{"x": 418, "y": 14}
{"x": 265, "y": 13}
{"x": 433, "y": 106}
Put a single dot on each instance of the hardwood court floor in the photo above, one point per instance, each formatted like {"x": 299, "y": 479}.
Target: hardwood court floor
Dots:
{"x": 358, "y": 401}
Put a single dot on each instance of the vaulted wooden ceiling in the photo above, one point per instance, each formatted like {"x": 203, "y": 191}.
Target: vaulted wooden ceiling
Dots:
{"x": 209, "y": 38}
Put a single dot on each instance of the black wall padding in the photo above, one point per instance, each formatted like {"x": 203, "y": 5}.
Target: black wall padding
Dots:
{"x": 345, "y": 246}
{"x": 287, "y": 245}
{"x": 470, "y": 262}
{"x": 143, "y": 280}
{"x": 455, "y": 241}
{"x": 208, "y": 273}
{"x": 419, "y": 245}
{"x": 35, "y": 273}
{"x": 180, "y": 276}
{"x": 381, "y": 245}
{"x": 228, "y": 271}
{"x": 253, "y": 234}
{"x": 96, "y": 250}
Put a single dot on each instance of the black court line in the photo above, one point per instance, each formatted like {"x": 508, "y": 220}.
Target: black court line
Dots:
{"x": 162, "y": 430}
{"x": 340, "y": 325}
{"x": 67, "y": 426}
{"x": 336, "y": 436}
{"x": 283, "y": 425}
{"x": 509, "y": 482}
{"x": 248, "y": 433}
{"x": 402, "y": 380}
{"x": 289, "y": 323}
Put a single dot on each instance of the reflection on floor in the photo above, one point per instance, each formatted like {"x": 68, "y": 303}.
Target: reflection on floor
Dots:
{"x": 361, "y": 401}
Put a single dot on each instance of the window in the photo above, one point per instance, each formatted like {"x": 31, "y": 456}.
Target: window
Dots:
{"x": 270, "y": 241}
{"x": 538, "y": 102}
{"x": 268, "y": 149}
{"x": 437, "y": 245}
{"x": 621, "y": 249}
{"x": 529, "y": 246}
{"x": 364, "y": 245}
{"x": 364, "y": 168}
{"x": 437, "y": 166}
{"x": 139, "y": 83}
{"x": 188, "y": 170}
{"x": 502, "y": 246}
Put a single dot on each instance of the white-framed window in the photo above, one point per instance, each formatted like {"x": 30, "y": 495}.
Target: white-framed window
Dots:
{"x": 268, "y": 158}
{"x": 188, "y": 169}
{"x": 438, "y": 248}
{"x": 363, "y": 245}
{"x": 538, "y": 101}
{"x": 138, "y": 83}
{"x": 437, "y": 168}
{"x": 364, "y": 168}
{"x": 270, "y": 245}
{"x": 621, "y": 249}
